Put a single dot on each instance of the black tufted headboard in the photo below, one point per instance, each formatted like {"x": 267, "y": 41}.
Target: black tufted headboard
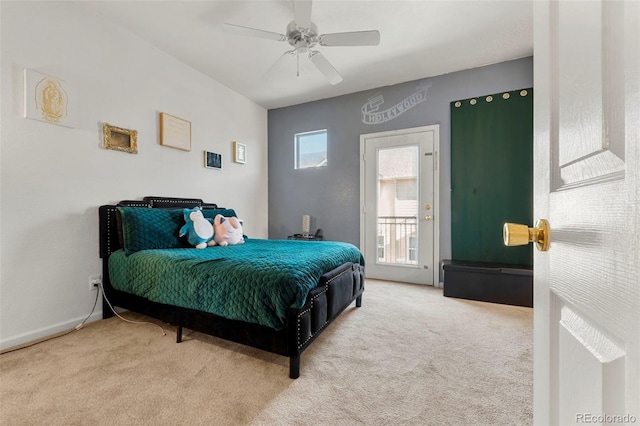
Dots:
{"x": 109, "y": 240}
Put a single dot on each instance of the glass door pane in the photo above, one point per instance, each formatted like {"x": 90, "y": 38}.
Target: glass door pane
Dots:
{"x": 397, "y": 205}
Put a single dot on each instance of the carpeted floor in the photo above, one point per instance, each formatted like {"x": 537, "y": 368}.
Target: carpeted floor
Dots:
{"x": 409, "y": 356}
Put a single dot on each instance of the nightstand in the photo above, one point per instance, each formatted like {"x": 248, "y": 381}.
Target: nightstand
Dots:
{"x": 303, "y": 238}
{"x": 315, "y": 237}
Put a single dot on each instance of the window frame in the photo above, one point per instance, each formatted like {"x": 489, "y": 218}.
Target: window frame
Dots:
{"x": 296, "y": 142}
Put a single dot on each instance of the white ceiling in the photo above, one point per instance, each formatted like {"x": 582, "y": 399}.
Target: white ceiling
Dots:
{"x": 418, "y": 39}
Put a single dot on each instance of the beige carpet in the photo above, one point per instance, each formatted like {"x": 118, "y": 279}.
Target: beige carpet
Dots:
{"x": 409, "y": 356}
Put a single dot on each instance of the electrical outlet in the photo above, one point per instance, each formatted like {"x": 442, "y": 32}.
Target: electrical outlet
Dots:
{"x": 95, "y": 281}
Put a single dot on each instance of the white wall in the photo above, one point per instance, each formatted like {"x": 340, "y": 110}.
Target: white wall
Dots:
{"x": 54, "y": 178}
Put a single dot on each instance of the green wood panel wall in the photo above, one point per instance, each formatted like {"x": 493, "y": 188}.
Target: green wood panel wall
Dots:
{"x": 491, "y": 175}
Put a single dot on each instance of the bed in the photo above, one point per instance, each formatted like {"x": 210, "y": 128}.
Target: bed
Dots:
{"x": 274, "y": 295}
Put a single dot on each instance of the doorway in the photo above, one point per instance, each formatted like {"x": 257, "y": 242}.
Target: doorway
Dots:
{"x": 399, "y": 194}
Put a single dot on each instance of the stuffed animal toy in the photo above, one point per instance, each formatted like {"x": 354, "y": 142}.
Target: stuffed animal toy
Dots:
{"x": 197, "y": 228}
{"x": 227, "y": 230}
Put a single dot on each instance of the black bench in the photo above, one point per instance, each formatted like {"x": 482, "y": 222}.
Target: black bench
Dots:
{"x": 489, "y": 282}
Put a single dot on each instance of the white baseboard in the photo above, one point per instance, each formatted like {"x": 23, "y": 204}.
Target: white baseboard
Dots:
{"x": 43, "y": 332}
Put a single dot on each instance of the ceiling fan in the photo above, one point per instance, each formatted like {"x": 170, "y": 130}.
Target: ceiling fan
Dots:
{"x": 302, "y": 35}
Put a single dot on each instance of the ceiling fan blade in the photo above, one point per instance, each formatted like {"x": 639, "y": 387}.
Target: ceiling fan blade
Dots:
{"x": 283, "y": 62}
{"x": 325, "y": 67}
{"x": 355, "y": 38}
{"x": 253, "y": 32}
{"x": 302, "y": 10}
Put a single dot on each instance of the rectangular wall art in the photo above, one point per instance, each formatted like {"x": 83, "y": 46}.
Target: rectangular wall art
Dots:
{"x": 239, "y": 152}
{"x": 119, "y": 139}
{"x": 175, "y": 132}
{"x": 49, "y": 99}
{"x": 212, "y": 160}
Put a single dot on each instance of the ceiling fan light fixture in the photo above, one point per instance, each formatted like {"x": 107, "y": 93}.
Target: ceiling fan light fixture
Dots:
{"x": 302, "y": 35}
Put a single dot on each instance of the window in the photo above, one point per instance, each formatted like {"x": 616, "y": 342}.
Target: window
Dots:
{"x": 311, "y": 149}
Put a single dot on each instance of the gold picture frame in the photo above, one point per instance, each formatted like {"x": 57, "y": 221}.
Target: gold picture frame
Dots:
{"x": 119, "y": 139}
{"x": 239, "y": 152}
{"x": 175, "y": 132}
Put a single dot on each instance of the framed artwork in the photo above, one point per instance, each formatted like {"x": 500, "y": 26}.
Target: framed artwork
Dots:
{"x": 212, "y": 160}
{"x": 119, "y": 139}
{"x": 49, "y": 99}
{"x": 175, "y": 132}
{"x": 239, "y": 152}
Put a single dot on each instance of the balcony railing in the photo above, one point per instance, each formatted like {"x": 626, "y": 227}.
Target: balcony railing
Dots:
{"x": 397, "y": 240}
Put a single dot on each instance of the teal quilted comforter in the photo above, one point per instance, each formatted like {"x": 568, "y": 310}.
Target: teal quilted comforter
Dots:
{"x": 257, "y": 281}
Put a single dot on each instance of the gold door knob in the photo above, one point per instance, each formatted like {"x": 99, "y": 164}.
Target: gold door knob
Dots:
{"x": 514, "y": 234}
{"x": 428, "y": 217}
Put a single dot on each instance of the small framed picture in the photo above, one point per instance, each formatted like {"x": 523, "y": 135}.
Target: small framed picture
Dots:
{"x": 175, "y": 132}
{"x": 119, "y": 139}
{"x": 239, "y": 152}
{"x": 212, "y": 160}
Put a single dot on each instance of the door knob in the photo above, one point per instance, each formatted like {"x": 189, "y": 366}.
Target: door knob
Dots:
{"x": 428, "y": 217}
{"x": 514, "y": 234}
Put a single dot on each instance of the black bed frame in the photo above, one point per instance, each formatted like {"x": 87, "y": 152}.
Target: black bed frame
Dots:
{"x": 335, "y": 291}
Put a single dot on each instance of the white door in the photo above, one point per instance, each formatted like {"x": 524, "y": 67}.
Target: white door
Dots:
{"x": 399, "y": 198}
{"x": 587, "y": 184}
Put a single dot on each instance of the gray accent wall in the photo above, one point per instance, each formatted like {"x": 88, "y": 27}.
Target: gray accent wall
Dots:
{"x": 331, "y": 194}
